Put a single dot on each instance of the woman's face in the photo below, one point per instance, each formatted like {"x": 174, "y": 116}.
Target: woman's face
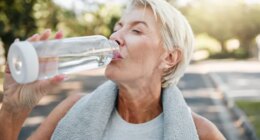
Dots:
{"x": 141, "y": 49}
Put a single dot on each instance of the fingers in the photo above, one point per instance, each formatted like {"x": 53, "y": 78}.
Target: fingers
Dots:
{"x": 8, "y": 81}
{"x": 45, "y": 35}
{"x": 58, "y": 79}
{"x": 47, "y": 84}
{"x": 33, "y": 38}
{"x": 59, "y": 35}
{"x": 7, "y": 69}
{"x": 7, "y": 76}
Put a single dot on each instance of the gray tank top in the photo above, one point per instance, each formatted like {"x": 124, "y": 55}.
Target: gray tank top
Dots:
{"x": 119, "y": 129}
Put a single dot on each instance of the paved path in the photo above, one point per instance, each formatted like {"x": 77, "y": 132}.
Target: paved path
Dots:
{"x": 197, "y": 87}
{"x": 240, "y": 80}
{"x": 235, "y": 80}
{"x": 201, "y": 95}
{"x": 239, "y": 85}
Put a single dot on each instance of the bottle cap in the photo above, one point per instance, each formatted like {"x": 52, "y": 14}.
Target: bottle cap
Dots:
{"x": 23, "y": 62}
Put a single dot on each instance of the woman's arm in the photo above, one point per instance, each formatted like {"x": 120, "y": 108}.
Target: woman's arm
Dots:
{"x": 11, "y": 123}
{"x": 19, "y": 99}
{"x": 45, "y": 130}
{"x": 206, "y": 129}
{"x": 15, "y": 109}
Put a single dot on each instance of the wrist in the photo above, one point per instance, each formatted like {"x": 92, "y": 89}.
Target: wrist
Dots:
{"x": 11, "y": 122}
{"x": 14, "y": 118}
{"x": 11, "y": 115}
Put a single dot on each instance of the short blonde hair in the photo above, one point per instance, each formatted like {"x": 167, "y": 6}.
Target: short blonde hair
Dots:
{"x": 175, "y": 32}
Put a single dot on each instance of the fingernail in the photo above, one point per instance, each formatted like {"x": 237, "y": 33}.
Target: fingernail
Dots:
{"x": 35, "y": 35}
{"x": 60, "y": 77}
{"x": 59, "y": 34}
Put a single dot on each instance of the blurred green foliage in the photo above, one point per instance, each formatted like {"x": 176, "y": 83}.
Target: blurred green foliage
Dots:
{"x": 99, "y": 21}
{"x": 251, "y": 108}
{"x": 21, "y": 19}
{"x": 16, "y": 20}
{"x": 218, "y": 19}
{"x": 224, "y": 20}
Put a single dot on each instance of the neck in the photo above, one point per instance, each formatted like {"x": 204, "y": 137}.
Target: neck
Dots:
{"x": 139, "y": 104}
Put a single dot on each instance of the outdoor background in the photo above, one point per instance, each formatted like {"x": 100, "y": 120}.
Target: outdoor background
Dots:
{"x": 227, "y": 53}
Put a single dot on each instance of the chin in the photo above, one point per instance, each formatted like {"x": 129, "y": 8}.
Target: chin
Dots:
{"x": 110, "y": 73}
{"x": 114, "y": 74}
{"x": 107, "y": 74}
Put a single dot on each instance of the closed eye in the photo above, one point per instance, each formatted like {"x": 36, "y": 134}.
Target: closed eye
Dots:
{"x": 137, "y": 31}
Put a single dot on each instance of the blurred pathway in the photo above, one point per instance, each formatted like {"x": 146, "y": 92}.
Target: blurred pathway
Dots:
{"x": 238, "y": 79}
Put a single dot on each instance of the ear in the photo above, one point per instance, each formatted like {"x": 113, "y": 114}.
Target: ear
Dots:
{"x": 171, "y": 59}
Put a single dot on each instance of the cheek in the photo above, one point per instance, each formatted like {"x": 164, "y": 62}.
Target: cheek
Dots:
{"x": 144, "y": 64}
{"x": 137, "y": 49}
{"x": 136, "y": 62}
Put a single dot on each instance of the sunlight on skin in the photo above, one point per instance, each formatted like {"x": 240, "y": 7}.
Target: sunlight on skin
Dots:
{"x": 48, "y": 99}
{"x": 33, "y": 120}
{"x": 71, "y": 85}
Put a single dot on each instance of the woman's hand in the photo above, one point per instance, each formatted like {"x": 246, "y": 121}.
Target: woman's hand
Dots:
{"x": 17, "y": 96}
{"x": 19, "y": 99}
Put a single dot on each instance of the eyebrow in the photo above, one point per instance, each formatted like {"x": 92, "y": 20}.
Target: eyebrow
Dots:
{"x": 133, "y": 23}
{"x": 139, "y": 22}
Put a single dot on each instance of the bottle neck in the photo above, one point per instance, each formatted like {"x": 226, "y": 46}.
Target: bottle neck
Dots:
{"x": 113, "y": 44}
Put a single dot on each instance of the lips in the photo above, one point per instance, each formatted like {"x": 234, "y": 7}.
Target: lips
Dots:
{"x": 117, "y": 55}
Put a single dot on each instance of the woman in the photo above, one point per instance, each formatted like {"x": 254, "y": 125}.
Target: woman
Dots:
{"x": 142, "y": 102}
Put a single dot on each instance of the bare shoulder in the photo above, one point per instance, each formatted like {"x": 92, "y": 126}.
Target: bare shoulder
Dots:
{"x": 206, "y": 129}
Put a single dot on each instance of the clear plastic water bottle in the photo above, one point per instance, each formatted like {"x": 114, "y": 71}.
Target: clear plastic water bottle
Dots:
{"x": 31, "y": 61}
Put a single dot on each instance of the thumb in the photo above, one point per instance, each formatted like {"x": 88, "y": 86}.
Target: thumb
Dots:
{"x": 33, "y": 93}
{"x": 8, "y": 79}
{"x": 46, "y": 85}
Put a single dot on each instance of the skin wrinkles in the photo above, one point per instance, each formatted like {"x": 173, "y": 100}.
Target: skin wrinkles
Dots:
{"x": 138, "y": 74}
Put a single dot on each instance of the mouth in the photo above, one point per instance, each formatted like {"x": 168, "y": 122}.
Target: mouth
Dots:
{"x": 117, "y": 56}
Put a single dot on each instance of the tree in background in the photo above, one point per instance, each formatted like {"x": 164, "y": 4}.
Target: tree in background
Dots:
{"x": 246, "y": 19}
{"x": 17, "y": 19}
{"x": 21, "y": 19}
{"x": 224, "y": 20}
{"x": 96, "y": 18}
{"x": 220, "y": 19}
{"x": 45, "y": 14}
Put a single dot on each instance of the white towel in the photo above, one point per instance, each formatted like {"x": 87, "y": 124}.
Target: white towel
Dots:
{"x": 88, "y": 118}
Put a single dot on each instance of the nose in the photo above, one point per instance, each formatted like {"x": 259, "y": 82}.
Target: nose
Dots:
{"x": 117, "y": 36}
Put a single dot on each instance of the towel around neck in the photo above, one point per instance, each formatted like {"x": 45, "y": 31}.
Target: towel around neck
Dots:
{"x": 88, "y": 118}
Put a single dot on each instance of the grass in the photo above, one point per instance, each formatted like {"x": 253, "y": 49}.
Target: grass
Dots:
{"x": 252, "y": 110}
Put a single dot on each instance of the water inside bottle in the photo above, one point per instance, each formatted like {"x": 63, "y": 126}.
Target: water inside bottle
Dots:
{"x": 71, "y": 63}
